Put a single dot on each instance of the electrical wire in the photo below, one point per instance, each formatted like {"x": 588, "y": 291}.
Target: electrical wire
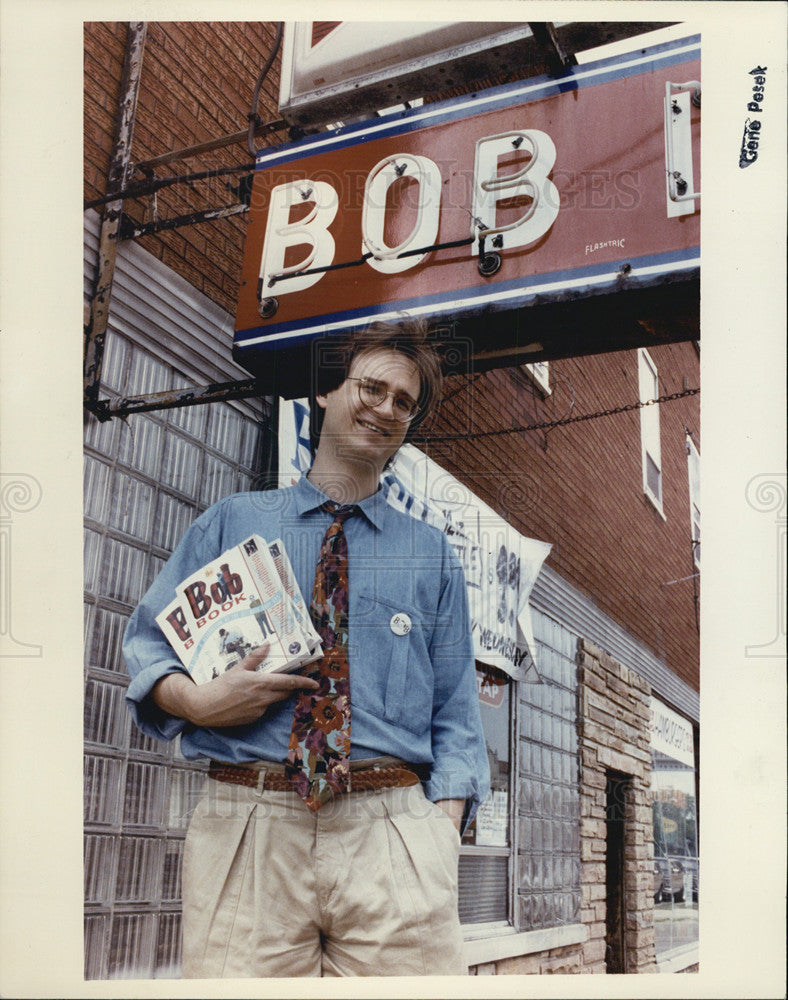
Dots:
{"x": 451, "y": 244}
{"x": 426, "y": 439}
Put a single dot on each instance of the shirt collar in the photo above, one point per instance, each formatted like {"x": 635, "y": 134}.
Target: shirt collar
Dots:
{"x": 309, "y": 498}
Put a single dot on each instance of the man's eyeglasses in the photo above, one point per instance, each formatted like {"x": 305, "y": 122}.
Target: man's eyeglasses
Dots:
{"x": 373, "y": 393}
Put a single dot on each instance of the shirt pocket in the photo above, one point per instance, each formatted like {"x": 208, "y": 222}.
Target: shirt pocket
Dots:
{"x": 395, "y": 672}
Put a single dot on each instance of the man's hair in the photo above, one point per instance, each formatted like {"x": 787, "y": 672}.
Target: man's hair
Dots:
{"x": 411, "y": 337}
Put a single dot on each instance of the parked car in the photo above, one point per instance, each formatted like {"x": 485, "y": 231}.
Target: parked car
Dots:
{"x": 668, "y": 880}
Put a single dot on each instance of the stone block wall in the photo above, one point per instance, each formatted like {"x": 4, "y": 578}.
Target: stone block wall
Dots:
{"x": 556, "y": 961}
{"x": 613, "y": 717}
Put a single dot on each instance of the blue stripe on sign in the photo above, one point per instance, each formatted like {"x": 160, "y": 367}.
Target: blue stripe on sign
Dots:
{"x": 644, "y": 271}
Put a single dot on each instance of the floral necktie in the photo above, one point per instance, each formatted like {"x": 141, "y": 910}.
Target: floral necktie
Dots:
{"x": 317, "y": 759}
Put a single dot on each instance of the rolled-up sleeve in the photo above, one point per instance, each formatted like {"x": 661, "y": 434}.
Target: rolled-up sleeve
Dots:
{"x": 146, "y": 651}
{"x": 461, "y": 769}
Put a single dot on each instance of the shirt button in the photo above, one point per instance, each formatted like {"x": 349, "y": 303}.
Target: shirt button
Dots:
{"x": 400, "y": 624}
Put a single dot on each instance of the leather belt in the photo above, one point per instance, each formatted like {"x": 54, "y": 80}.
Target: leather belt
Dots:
{"x": 364, "y": 779}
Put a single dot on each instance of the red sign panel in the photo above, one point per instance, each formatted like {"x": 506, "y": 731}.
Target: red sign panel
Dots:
{"x": 532, "y": 192}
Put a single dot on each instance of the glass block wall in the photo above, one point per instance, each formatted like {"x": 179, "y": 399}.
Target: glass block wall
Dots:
{"x": 146, "y": 479}
{"x": 548, "y": 808}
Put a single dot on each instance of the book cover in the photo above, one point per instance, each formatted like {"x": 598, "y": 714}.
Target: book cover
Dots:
{"x": 233, "y": 604}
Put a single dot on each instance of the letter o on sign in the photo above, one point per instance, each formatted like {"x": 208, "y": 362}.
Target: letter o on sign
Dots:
{"x": 373, "y": 218}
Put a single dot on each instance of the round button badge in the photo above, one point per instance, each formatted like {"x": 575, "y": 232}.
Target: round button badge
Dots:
{"x": 400, "y": 624}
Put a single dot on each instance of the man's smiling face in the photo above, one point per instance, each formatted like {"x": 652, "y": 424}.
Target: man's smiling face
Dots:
{"x": 358, "y": 432}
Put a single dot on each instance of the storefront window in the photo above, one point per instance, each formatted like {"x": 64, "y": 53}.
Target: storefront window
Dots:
{"x": 676, "y": 867}
{"x": 484, "y": 861}
{"x": 520, "y": 860}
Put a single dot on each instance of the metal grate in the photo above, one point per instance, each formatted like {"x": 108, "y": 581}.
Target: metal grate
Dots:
{"x": 484, "y": 883}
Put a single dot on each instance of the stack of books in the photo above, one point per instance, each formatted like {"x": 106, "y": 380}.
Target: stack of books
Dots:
{"x": 247, "y": 597}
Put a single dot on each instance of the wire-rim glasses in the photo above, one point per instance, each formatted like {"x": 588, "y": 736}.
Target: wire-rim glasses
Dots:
{"x": 373, "y": 393}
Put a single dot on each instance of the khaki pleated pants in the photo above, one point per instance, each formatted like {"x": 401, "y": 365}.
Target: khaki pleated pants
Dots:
{"x": 366, "y": 886}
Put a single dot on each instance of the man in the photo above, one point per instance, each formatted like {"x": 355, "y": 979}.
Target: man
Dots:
{"x": 231, "y": 644}
{"x": 302, "y": 859}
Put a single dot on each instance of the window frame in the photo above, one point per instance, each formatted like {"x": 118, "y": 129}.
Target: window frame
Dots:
{"x": 491, "y": 928}
{"x": 493, "y": 938}
{"x": 650, "y": 431}
{"x": 693, "y": 477}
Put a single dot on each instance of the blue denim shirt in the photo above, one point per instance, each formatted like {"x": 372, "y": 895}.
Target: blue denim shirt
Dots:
{"x": 413, "y": 696}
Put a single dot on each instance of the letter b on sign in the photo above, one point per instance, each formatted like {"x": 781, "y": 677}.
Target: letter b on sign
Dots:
{"x": 309, "y": 231}
{"x": 526, "y": 180}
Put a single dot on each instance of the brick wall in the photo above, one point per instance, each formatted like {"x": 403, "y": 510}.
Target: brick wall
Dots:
{"x": 614, "y": 738}
{"x": 580, "y": 487}
{"x": 196, "y": 85}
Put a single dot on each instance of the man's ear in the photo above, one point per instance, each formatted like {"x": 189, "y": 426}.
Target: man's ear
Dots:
{"x": 321, "y": 401}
